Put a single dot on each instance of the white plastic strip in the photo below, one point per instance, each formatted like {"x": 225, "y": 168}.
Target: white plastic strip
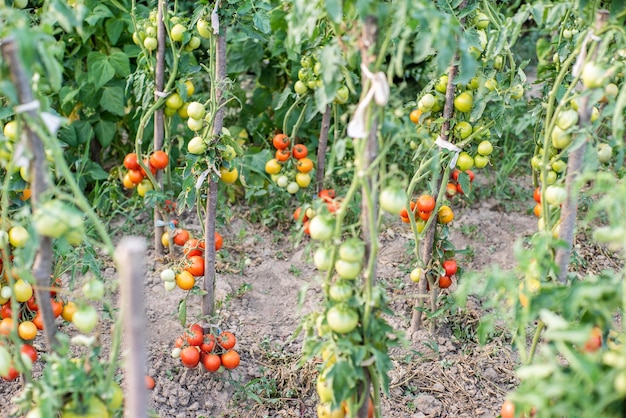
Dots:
{"x": 379, "y": 91}
{"x": 442, "y": 143}
{"x": 27, "y": 107}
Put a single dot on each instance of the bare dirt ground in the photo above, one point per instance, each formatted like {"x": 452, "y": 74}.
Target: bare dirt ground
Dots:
{"x": 260, "y": 277}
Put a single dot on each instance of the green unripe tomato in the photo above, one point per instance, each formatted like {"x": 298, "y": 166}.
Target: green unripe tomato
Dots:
{"x": 178, "y": 32}
{"x": 485, "y": 148}
{"x": 465, "y": 161}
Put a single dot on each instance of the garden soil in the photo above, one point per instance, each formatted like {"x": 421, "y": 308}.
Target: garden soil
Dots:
{"x": 265, "y": 284}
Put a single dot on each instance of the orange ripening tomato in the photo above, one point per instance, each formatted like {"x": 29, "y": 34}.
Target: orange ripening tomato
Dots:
{"x": 445, "y": 215}
{"x": 280, "y": 141}
{"x": 299, "y": 151}
{"x": 304, "y": 165}
{"x": 150, "y": 382}
{"x": 219, "y": 241}
{"x": 537, "y": 210}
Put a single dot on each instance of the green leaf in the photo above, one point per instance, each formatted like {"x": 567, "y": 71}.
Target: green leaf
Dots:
{"x": 61, "y": 13}
{"x": 49, "y": 55}
{"x": 464, "y": 181}
{"x": 182, "y": 312}
{"x": 100, "y": 69}
{"x": 105, "y": 132}
{"x": 120, "y": 63}
{"x": 114, "y": 29}
{"x": 79, "y": 132}
{"x": 112, "y": 100}
{"x": 334, "y": 8}
{"x": 261, "y": 21}
{"x": 95, "y": 171}
{"x": 98, "y": 13}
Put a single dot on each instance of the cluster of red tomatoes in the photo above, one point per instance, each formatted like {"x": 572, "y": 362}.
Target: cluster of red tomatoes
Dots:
{"x": 423, "y": 208}
{"x": 29, "y": 320}
{"x": 290, "y": 168}
{"x": 212, "y": 350}
{"x": 192, "y": 264}
{"x": 453, "y": 187}
{"x": 136, "y": 175}
{"x": 304, "y": 214}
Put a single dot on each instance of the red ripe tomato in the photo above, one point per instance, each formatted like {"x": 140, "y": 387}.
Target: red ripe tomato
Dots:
{"x": 55, "y": 285}
{"x": 192, "y": 248}
{"x": 211, "y": 362}
{"x": 150, "y": 382}
{"x": 283, "y": 155}
{"x": 455, "y": 175}
{"x": 226, "y": 340}
{"x": 299, "y": 151}
{"x": 190, "y": 357}
{"x": 327, "y": 194}
{"x": 450, "y": 267}
{"x": 471, "y": 175}
{"x": 405, "y": 214}
{"x": 459, "y": 189}
{"x": 445, "y": 282}
{"x": 507, "y": 410}
{"x": 423, "y": 215}
{"x": 32, "y": 304}
{"x": 208, "y": 344}
{"x": 30, "y": 351}
{"x": 230, "y": 359}
{"x": 305, "y": 228}
{"x": 195, "y": 335}
{"x": 181, "y": 237}
{"x": 594, "y": 342}
{"x": 152, "y": 169}
{"x": 450, "y": 189}
{"x": 298, "y": 213}
{"x": 425, "y": 203}
{"x": 537, "y": 195}
{"x": 57, "y": 307}
{"x": 159, "y": 160}
{"x": 196, "y": 268}
{"x": 280, "y": 141}
{"x": 219, "y": 241}
{"x": 131, "y": 162}
{"x": 179, "y": 342}
{"x": 38, "y": 321}
{"x": 135, "y": 176}
{"x": 5, "y": 311}
{"x": 11, "y": 375}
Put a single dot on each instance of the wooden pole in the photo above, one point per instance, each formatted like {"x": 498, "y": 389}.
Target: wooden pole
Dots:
{"x": 159, "y": 123}
{"x": 208, "y": 301}
{"x": 129, "y": 256}
{"x": 42, "y": 266}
